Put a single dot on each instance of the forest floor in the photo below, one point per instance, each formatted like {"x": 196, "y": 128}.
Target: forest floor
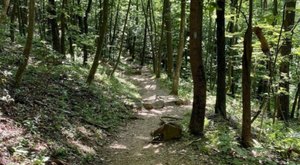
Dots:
{"x": 54, "y": 117}
{"x": 133, "y": 146}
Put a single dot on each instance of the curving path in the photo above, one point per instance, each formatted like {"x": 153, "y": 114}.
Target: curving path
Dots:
{"x": 132, "y": 146}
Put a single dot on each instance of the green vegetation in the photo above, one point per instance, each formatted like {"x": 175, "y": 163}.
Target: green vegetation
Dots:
{"x": 72, "y": 73}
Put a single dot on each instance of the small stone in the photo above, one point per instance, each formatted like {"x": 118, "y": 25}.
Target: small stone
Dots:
{"x": 148, "y": 105}
{"x": 158, "y": 104}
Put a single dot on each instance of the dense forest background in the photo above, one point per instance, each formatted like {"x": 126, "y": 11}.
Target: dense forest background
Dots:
{"x": 68, "y": 63}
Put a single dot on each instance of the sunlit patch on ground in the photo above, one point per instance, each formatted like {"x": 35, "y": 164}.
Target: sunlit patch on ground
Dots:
{"x": 83, "y": 148}
{"x": 118, "y": 146}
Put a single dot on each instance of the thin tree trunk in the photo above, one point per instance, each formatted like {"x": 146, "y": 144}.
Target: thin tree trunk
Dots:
{"x": 28, "y": 44}
{"x": 284, "y": 98}
{"x": 100, "y": 41}
{"x": 297, "y": 97}
{"x": 169, "y": 38}
{"x": 122, "y": 38}
{"x": 63, "y": 27}
{"x": 220, "y": 107}
{"x": 152, "y": 33}
{"x": 112, "y": 41}
{"x": 12, "y": 22}
{"x": 86, "y": 30}
{"x": 160, "y": 43}
{"x": 155, "y": 44}
{"x": 180, "y": 50}
{"x": 54, "y": 26}
{"x": 199, "y": 100}
{"x": 246, "y": 82}
{"x": 145, "y": 34}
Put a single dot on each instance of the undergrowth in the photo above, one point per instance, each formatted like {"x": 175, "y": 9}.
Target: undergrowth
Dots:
{"x": 55, "y": 105}
{"x": 274, "y": 143}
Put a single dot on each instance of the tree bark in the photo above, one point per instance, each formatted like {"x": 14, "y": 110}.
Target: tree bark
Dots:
{"x": 100, "y": 41}
{"x": 297, "y": 97}
{"x": 199, "y": 83}
{"x": 145, "y": 33}
{"x": 169, "y": 38}
{"x": 114, "y": 35}
{"x": 180, "y": 50}
{"x": 12, "y": 21}
{"x": 246, "y": 82}
{"x": 220, "y": 107}
{"x": 122, "y": 39}
{"x": 160, "y": 45}
{"x": 54, "y": 26}
{"x": 284, "y": 98}
{"x": 28, "y": 44}
{"x": 86, "y": 30}
{"x": 63, "y": 27}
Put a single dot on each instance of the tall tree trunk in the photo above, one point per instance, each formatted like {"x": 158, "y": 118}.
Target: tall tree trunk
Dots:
{"x": 63, "y": 27}
{"x": 145, "y": 33}
{"x": 232, "y": 28}
{"x": 100, "y": 41}
{"x": 180, "y": 50}
{"x": 12, "y": 22}
{"x": 86, "y": 30}
{"x": 152, "y": 33}
{"x": 21, "y": 18}
{"x": 246, "y": 82}
{"x": 28, "y": 44}
{"x": 297, "y": 97}
{"x": 54, "y": 26}
{"x": 168, "y": 21}
{"x": 220, "y": 107}
{"x": 284, "y": 98}
{"x": 275, "y": 11}
{"x": 122, "y": 39}
{"x": 114, "y": 35}
{"x": 160, "y": 45}
{"x": 199, "y": 83}
{"x": 156, "y": 44}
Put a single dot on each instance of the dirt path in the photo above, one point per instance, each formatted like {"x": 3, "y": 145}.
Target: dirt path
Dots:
{"x": 132, "y": 146}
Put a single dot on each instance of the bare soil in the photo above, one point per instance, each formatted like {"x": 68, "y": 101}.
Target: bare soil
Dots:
{"x": 133, "y": 146}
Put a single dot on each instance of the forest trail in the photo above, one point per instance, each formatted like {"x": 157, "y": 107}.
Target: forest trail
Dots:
{"x": 132, "y": 145}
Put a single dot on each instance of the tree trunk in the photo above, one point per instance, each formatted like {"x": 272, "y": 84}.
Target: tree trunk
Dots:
{"x": 284, "y": 98}
{"x": 63, "y": 27}
{"x": 86, "y": 30}
{"x": 169, "y": 38}
{"x": 21, "y": 18}
{"x": 122, "y": 39}
{"x": 220, "y": 107}
{"x": 28, "y": 44}
{"x": 297, "y": 97}
{"x": 54, "y": 26}
{"x": 199, "y": 100}
{"x": 100, "y": 41}
{"x": 180, "y": 50}
{"x": 12, "y": 22}
{"x": 160, "y": 46}
{"x": 246, "y": 82}
{"x": 152, "y": 33}
{"x": 145, "y": 33}
{"x": 114, "y": 35}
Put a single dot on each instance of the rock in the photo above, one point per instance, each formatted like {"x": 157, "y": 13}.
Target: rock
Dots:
{"x": 182, "y": 102}
{"x": 167, "y": 131}
{"x": 148, "y": 105}
{"x": 158, "y": 104}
